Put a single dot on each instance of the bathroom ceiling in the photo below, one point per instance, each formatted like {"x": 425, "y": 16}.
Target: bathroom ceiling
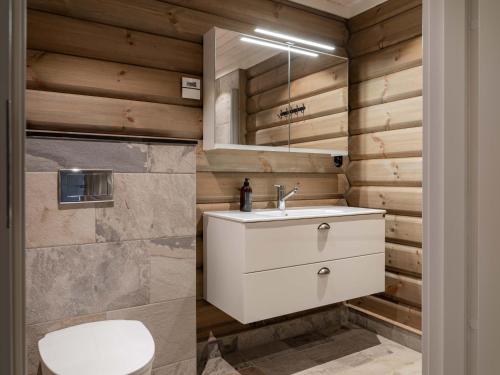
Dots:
{"x": 343, "y": 8}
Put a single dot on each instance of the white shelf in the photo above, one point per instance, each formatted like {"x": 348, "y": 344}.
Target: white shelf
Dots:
{"x": 295, "y": 150}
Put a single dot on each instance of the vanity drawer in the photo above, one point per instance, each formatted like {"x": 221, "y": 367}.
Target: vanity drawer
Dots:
{"x": 283, "y": 291}
{"x": 294, "y": 242}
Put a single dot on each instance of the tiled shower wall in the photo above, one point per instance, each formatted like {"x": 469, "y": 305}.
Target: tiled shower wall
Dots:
{"x": 133, "y": 259}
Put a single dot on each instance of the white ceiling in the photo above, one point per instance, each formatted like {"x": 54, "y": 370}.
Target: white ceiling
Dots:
{"x": 342, "y": 8}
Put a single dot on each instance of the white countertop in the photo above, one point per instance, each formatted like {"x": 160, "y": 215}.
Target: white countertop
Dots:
{"x": 292, "y": 213}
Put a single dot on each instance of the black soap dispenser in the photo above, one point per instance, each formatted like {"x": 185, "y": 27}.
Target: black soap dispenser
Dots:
{"x": 246, "y": 197}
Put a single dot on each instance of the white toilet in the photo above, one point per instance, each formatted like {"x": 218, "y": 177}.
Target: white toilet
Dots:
{"x": 110, "y": 347}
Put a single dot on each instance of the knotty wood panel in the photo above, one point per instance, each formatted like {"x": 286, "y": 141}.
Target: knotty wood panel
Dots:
{"x": 381, "y": 13}
{"x": 224, "y": 187}
{"x": 405, "y": 26}
{"x": 70, "y": 112}
{"x": 403, "y": 229}
{"x": 49, "y": 32}
{"x": 401, "y": 114}
{"x": 398, "y": 57}
{"x": 386, "y": 172}
{"x": 385, "y": 146}
{"x": 150, "y": 16}
{"x": 403, "y": 258}
{"x": 397, "y": 200}
{"x": 77, "y": 75}
{"x": 340, "y": 143}
{"x": 396, "y": 86}
{"x": 403, "y": 288}
{"x": 276, "y": 16}
{"x": 388, "y": 144}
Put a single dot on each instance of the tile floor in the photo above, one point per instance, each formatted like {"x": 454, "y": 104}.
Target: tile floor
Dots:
{"x": 348, "y": 351}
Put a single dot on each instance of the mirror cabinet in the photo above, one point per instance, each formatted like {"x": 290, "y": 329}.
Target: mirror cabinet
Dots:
{"x": 273, "y": 92}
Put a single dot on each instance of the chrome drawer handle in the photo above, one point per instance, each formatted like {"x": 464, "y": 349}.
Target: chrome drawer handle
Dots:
{"x": 324, "y": 271}
{"x": 324, "y": 226}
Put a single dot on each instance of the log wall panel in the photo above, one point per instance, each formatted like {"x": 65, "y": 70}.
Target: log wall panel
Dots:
{"x": 405, "y": 26}
{"x": 385, "y": 147}
{"x": 388, "y": 144}
{"x": 77, "y": 75}
{"x": 397, "y": 200}
{"x": 340, "y": 143}
{"x": 224, "y": 187}
{"x": 184, "y": 21}
{"x": 49, "y": 32}
{"x": 386, "y": 172}
{"x": 265, "y": 13}
{"x": 403, "y": 288}
{"x": 403, "y": 229}
{"x": 381, "y": 13}
{"x": 403, "y": 258}
{"x": 404, "y": 55}
{"x": 70, "y": 112}
{"x": 400, "y": 114}
{"x": 150, "y": 16}
{"x": 396, "y": 86}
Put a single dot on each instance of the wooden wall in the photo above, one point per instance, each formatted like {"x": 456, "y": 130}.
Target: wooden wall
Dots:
{"x": 385, "y": 146}
{"x": 114, "y": 66}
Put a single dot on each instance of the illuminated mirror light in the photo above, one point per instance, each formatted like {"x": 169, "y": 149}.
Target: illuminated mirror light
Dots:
{"x": 278, "y": 46}
{"x": 290, "y": 38}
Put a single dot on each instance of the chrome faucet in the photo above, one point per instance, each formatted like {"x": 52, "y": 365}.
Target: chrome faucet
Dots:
{"x": 282, "y": 197}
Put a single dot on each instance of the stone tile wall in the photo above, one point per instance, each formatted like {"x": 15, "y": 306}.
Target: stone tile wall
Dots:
{"x": 134, "y": 259}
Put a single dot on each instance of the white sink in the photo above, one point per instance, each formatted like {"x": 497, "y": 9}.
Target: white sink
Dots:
{"x": 299, "y": 213}
{"x": 292, "y": 213}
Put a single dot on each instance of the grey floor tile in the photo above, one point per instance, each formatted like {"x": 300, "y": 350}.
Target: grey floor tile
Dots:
{"x": 285, "y": 364}
{"x": 348, "y": 351}
{"x": 307, "y": 340}
{"x": 266, "y": 351}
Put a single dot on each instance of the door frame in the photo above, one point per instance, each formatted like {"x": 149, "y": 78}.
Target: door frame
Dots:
{"x": 12, "y": 134}
{"x": 449, "y": 189}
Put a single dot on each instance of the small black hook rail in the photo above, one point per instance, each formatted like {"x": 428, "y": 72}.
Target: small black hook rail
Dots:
{"x": 292, "y": 111}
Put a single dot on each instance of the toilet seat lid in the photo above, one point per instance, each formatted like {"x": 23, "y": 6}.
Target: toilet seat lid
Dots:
{"x": 106, "y": 347}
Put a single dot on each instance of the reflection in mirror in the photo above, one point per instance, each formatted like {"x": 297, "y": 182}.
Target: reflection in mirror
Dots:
{"x": 273, "y": 94}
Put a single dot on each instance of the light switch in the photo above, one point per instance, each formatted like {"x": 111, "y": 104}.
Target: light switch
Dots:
{"x": 191, "y": 88}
